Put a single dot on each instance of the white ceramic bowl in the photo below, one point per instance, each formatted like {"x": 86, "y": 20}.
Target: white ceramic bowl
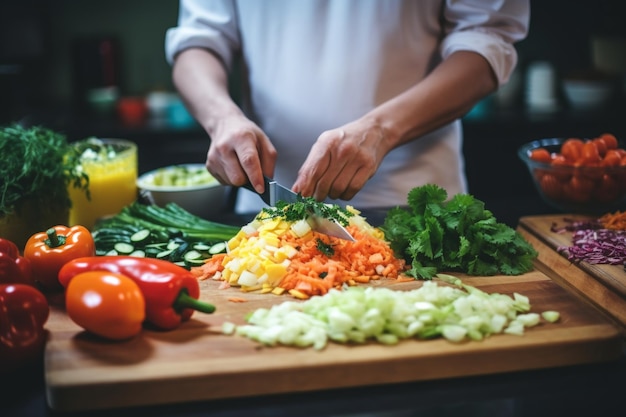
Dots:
{"x": 587, "y": 95}
{"x": 207, "y": 200}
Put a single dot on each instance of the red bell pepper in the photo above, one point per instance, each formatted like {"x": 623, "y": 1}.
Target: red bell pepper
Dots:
{"x": 48, "y": 251}
{"x": 171, "y": 292}
{"x": 14, "y": 269}
{"x": 24, "y": 311}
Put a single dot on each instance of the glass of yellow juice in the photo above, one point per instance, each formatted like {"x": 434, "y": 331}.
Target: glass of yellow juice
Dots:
{"x": 111, "y": 165}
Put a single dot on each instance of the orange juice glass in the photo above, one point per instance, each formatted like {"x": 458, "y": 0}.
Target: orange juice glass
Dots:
{"x": 111, "y": 165}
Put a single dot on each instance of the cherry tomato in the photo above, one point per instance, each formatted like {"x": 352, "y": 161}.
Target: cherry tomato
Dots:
{"x": 590, "y": 154}
{"x": 611, "y": 159}
{"x": 601, "y": 145}
{"x": 572, "y": 149}
{"x": 610, "y": 140}
{"x": 541, "y": 155}
{"x": 551, "y": 187}
{"x": 106, "y": 304}
{"x": 578, "y": 189}
{"x": 563, "y": 170}
{"x": 608, "y": 189}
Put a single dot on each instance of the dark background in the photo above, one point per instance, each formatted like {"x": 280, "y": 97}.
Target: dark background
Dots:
{"x": 47, "y": 61}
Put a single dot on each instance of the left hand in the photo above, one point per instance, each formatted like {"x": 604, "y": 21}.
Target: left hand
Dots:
{"x": 342, "y": 160}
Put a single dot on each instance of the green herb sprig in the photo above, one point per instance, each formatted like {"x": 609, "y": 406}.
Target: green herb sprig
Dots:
{"x": 434, "y": 235}
{"x": 37, "y": 166}
{"x": 303, "y": 208}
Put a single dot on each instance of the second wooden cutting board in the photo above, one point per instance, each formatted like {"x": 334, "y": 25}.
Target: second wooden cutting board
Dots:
{"x": 603, "y": 286}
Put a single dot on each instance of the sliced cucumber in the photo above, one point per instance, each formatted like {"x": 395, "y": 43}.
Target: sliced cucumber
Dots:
{"x": 164, "y": 254}
{"x": 172, "y": 244}
{"x": 112, "y": 252}
{"x": 192, "y": 255}
{"x": 217, "y": 248}
{"x": 202, "y": 247}
{"x": 124, "y": 248}
{"x": 138, "y": 253}
{"x": 141, "y": 236}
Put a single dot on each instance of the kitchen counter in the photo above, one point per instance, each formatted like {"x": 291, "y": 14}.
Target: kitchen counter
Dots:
{"x": 588, "y": 389}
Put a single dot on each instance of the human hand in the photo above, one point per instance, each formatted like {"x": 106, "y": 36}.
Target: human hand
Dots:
{"x": 240, "y": 152}
{"x": 342, "y": 160}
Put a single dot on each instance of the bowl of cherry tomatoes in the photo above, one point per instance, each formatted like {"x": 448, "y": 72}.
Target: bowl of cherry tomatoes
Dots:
{"x": 578, "y": 175}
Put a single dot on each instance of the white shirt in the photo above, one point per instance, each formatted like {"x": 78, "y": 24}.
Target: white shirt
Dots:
{"x": 314, "y": 65}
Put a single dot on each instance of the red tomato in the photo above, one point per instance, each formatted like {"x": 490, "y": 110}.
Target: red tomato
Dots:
{"x": 551, "y": 187}
{"x": 601, "y": 145}
{"x": 608, "y": 189}
{"x": 571, "y": 149}
{"x": 578, "y": 189}
{"x": 611, "y": 159}
{"x": 590, "y": 154}
{"x": 610, "y": 140}
{"x": 563, "y": 170}
{"x": 540, "y": 155}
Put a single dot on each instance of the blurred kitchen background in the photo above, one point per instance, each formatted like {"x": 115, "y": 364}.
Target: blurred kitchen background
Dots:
{"x": 98, "y": 69}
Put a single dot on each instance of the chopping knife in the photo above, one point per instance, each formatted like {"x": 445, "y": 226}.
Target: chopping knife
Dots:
{"x": 275, "y": 192}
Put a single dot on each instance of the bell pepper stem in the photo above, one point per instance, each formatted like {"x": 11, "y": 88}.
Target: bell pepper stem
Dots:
{"x": 184, "y": 300}
{"x": 54, "y": 240}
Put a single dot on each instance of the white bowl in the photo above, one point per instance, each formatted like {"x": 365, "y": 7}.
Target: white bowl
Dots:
{"x": 207, "y": 201}
{"x": 587, "y": 95}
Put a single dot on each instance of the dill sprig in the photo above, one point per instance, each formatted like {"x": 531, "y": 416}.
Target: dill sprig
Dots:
{"x": 303, "y": 208}
{"x": 37, "y": 166}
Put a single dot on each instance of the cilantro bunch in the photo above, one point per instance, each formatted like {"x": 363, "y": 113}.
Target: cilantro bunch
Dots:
{"x": 435, "y": 235}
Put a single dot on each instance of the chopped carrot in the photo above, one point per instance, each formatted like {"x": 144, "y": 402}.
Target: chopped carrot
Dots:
{"x": 614, "y": 221}
{"x": 212, "y": 265}
{"x": 237, "y": 299}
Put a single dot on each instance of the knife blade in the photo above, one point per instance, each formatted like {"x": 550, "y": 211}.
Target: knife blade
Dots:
{"x": 275, "y": 192}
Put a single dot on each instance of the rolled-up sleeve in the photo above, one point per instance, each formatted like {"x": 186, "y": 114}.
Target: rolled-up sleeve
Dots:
{"x": 209, "y": 24}
{"x": 489, "y": 28}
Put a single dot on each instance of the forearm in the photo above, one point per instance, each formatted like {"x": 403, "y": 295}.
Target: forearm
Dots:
{"x": 202, "y": 82}
{"x": 448, "y": 93}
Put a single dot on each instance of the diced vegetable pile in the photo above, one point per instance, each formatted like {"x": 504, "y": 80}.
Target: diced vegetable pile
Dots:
{"x": 360, "y": 314}
{"x": 278, "y": 253}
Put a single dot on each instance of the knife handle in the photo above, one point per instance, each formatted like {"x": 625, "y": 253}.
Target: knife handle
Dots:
{"x": 265, "y": 196}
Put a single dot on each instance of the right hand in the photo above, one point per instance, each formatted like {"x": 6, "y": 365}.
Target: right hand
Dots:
{"x": 240, "y": 152}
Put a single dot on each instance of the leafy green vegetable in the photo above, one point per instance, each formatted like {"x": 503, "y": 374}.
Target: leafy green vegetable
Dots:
{"x": 302, "y": 208}
{"x": 435, "y": 235}
{"x": 37, "y": 166}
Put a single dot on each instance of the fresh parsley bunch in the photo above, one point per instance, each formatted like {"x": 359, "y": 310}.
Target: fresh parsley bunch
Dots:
{"x": 434, "y": 235}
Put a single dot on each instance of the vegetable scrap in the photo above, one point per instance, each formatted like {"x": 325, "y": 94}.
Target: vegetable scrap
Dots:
{"x": 278, "y": 255}
{"x": 456, "y": 312}
{"x": 435, "y": 235}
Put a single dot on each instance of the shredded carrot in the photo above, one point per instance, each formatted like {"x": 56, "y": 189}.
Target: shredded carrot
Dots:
{"x": 212, "y": 265}
{"x": 237, "y": 299}
{"x": 614, "y": 221}
{"x": 314, "y": 273}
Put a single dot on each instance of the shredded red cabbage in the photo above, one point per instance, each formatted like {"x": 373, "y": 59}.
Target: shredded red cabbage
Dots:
{"x": 597, "y": 246}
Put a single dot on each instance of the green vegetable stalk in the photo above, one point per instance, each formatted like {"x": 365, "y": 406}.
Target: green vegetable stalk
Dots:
{"x": 434, "y": 235}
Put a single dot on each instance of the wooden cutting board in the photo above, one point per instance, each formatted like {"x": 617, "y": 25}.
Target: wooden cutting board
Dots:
{"x": 196, "y": 362}
{"x": 603, "y": 286}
